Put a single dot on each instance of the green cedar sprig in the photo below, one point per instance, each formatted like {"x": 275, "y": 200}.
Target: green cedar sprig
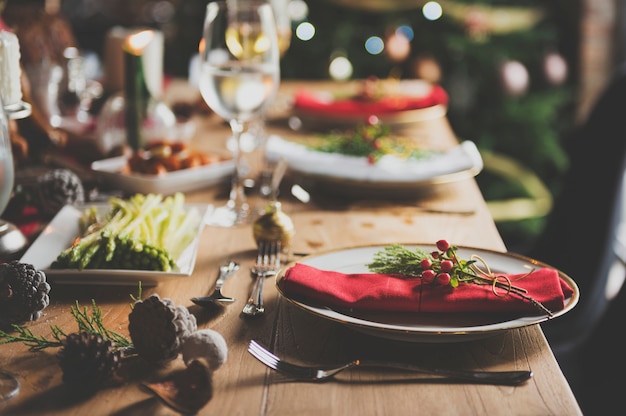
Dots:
{"x": 88, "y": 321}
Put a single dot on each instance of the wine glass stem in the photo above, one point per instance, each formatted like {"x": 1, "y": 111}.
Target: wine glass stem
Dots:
{"x": 237, "y": 200}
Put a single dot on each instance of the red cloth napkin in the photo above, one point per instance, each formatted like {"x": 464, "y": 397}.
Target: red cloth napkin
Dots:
{"x": 316, "y": 103}
{"x": 380, "y": 292}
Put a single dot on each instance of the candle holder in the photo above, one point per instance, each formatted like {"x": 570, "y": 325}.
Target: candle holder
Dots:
{"x": 136, "y": 92}
{"x": 136, "y": 115}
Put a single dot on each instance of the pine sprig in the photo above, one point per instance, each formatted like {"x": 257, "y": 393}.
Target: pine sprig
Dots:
{"x": 26, "y": 336}
{"x": 93, "y": 324}
{"x": 87, "y": 321}
{"x": 399, "y": 260}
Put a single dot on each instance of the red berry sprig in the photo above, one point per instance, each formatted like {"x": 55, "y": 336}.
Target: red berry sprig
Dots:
{"x": 443, "y": 267}
{"x": 436, "y": 267}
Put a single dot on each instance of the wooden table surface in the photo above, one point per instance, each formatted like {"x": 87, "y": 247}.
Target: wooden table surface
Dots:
{"x": 243, "y": 386}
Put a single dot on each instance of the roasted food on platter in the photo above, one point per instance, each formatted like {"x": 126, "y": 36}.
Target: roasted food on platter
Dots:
{"x": 162, "y": 156}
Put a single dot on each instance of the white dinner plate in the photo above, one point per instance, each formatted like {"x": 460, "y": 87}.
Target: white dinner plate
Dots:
{"x": 422, "y": 327}
{"x": 391, "y": 176}
{"x": 184, "y": 180}
{"x": 63, "y": 230}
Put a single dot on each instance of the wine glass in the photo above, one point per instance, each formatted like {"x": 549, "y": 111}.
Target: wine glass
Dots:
{"x": 239, "y": 77}
{"x": 9, "y": 385}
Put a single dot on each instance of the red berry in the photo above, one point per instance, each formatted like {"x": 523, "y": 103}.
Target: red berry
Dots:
{"x": 443, "y": 245}
{"x": 435, "y": 254}
{"x": 426, "y": 264}
{"x": 428, "y": 276}
{"x": 443, "y": 279}
{"x": 446, "y": 265}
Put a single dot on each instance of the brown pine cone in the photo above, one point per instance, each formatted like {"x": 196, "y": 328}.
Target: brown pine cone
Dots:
{"x": 57, "y": 188}
{"x": 87, "y": 361}
{"x": 157, "y": 328}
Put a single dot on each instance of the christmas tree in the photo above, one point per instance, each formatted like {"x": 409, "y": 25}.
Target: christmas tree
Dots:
{"x": 506, "y": 65}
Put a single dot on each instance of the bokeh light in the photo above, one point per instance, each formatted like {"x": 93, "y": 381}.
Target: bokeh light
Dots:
{"x": 305, "y": 31}
{"x": 340, "y": 68}
{"x": 432, "y": 10}
{"x": 298, "y": 10}
{"x": 406, "y": 31}
{"x": 374, "y": 45}
{"x": 398, "y": 47}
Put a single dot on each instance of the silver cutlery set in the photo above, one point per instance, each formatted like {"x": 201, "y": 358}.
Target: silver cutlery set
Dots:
{"x": 267, "y": 265}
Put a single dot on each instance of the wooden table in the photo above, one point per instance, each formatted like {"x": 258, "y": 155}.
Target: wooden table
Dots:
{"x": 243, "y": 386}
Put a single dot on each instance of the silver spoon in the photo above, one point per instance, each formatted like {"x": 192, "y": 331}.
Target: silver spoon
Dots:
{"x": 225, "y": 271}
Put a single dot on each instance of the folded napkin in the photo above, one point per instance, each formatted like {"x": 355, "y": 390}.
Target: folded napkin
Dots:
{"x": 389, "y": 168}
{"x": 380, "y": 292}
{"x": 327, "y": 105}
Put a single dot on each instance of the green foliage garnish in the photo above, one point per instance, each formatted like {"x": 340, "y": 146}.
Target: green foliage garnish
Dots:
{"x": 372, "y": 141}
{"x": 86, "y": 321}
{"x": 144, "y": 232}
{"x": 399, "y": 260}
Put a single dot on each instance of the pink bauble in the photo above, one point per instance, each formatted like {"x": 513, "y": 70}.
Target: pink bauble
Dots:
{"x": 514, "y": 77}
{"x": 555, "y": 68}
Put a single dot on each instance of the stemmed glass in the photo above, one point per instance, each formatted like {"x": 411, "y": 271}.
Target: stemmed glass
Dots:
{"x": 239, "y": 77}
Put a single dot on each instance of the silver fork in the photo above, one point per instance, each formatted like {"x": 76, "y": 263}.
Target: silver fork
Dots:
{"x": 267, "y": 264}
{"x": 309, "y": 373}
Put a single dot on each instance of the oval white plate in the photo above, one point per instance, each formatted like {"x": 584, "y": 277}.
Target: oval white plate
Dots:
{"x": 184, "y": 180}
{"x": 441, "y": 327}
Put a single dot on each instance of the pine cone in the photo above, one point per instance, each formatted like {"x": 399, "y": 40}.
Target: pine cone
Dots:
{"x": 57, "y": 188}
{"x": 87, "y": 361}
{"x": 157, "y": 328}
{"x": 23, "y": 293}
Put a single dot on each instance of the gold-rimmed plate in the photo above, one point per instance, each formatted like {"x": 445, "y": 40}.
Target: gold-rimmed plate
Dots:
{"x": 423, "y": 327}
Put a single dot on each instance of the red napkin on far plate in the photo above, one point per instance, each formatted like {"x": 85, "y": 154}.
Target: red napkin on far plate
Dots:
{"x": 380, "y": 292}
{"x": 318, "y": 104}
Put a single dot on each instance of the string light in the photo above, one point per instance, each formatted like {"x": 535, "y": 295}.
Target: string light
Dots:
{"x": 374, "y": 45}
{"x": 305, "y": 31}
{"x": 432, "y": 10}
{"x": 340, "y": 68}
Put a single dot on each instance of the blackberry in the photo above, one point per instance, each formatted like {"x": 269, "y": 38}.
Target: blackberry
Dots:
{"x": 23, "y": 293}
